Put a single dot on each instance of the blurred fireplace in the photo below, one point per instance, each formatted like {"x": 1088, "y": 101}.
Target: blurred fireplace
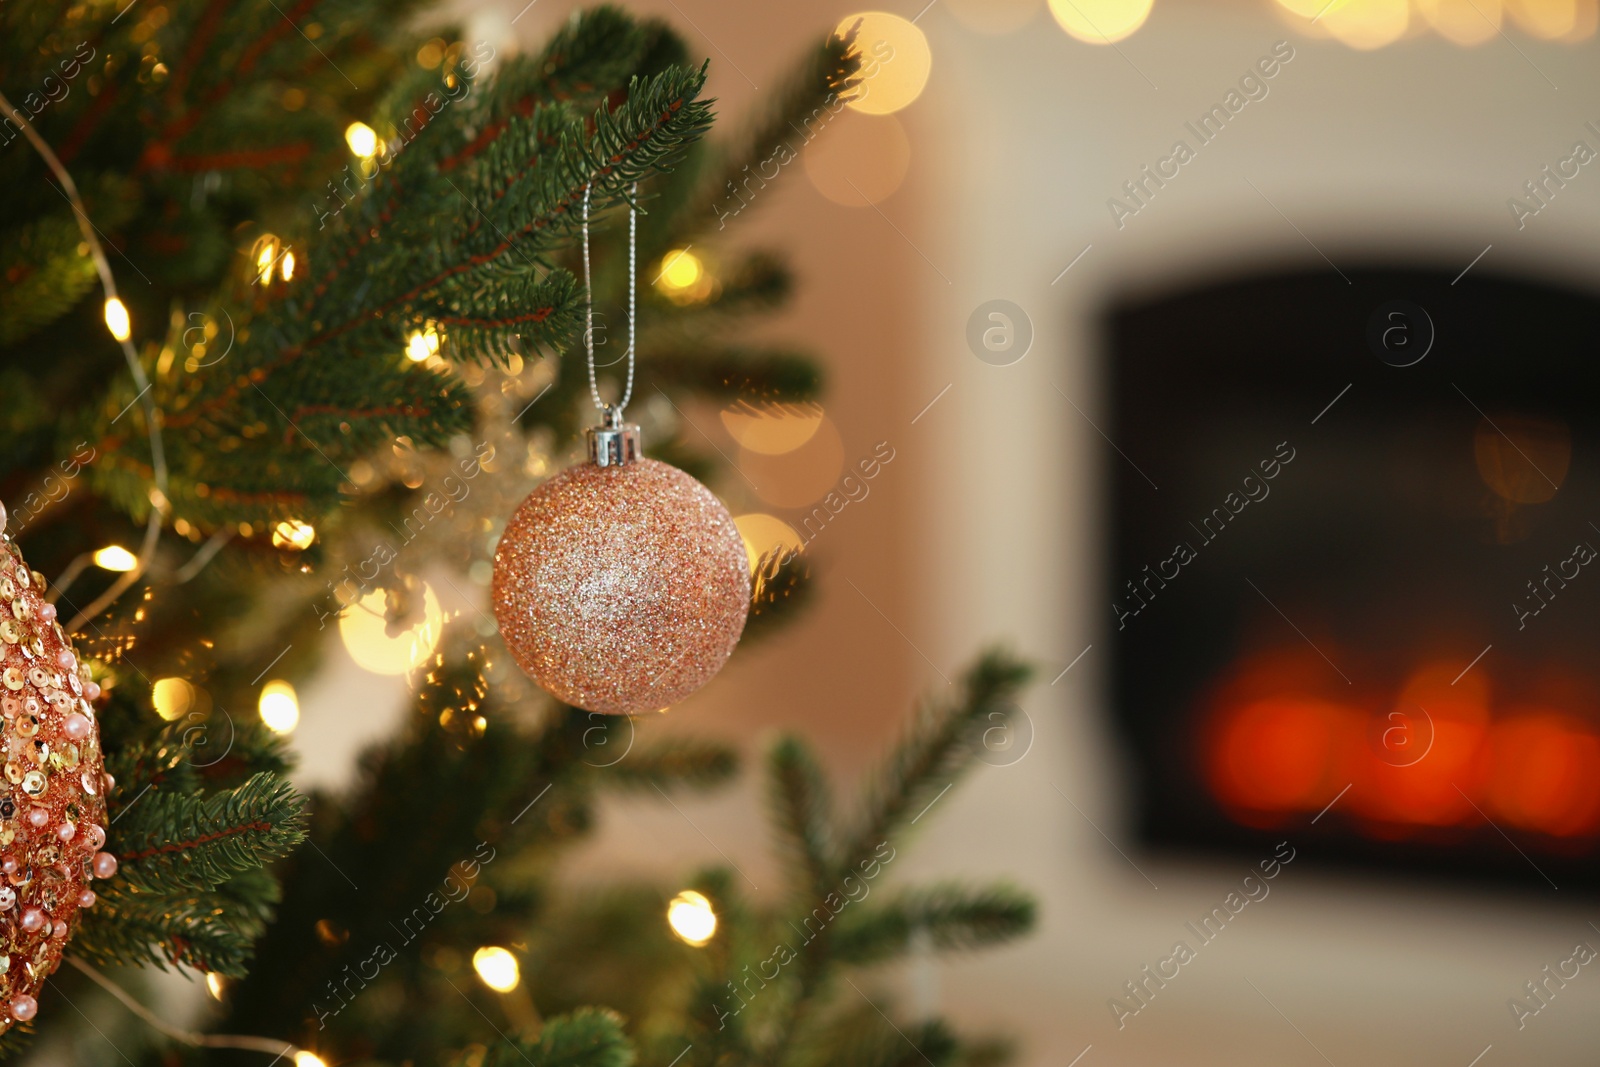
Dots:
{"x": 1336, "y": 580}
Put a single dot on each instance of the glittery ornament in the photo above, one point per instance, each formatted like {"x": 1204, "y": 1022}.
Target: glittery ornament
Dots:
{"x": 621, "y": 585}
{"x": 52, "y": 793}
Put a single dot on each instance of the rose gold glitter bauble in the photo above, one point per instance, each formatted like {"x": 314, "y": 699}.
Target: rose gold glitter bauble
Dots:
{"x": 52, "y": 791}
{"x": 621, "y": 589}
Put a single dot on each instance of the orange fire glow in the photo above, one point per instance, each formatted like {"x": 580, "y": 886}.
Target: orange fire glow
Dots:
{"x": 1438, "y": 752}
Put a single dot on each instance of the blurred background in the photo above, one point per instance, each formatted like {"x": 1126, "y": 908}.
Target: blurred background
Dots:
{"x": 1276, "y": 449}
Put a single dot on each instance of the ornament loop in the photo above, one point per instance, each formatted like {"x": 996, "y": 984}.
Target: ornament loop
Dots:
{"x": 588, "y": 299}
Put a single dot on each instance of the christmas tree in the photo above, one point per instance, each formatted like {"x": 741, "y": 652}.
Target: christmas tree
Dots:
{"x": 255, "y": 319}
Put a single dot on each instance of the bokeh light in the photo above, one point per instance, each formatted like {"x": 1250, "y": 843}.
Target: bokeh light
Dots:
{"x": 422, "y": 344}
{"x": 691, "y": 917}
{"x": 801, "y": 476}
{"x": 279, "y": 707}
{"x": 859, "y": 160}
{"x": 365, "y": 632}
{"x": 772, "y": 429}
{"x": 362, "y": 139}
{"x": 293, "y": 534}
{"x": 1547, "y": 19}
{"x": 762, "y": 533}
{"x": 1100, "y": 21}
{"x": 1367, "y": 24}
{"x": 497, "y": 968}
{"x": 1544, "y": 774}
{"x": 683, "y": 278}
{"x": 994, "y": 16}
{"x": 1279, "y": 754}
{"x": 117, "y": 320}
{"x": 1524, "y": 460}
{"x": 172, "y": 697}
{"x": 895, "y": 61}
{"x": 1463, "y": 22}
{"x": 308, "y": 1059}
{"x": 115, "y": 558}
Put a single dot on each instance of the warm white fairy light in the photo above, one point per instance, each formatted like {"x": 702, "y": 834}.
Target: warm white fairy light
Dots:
{"x": 279, "y": 707}
{"x": 266, "y": 259}
{"x": 115, "y": 558}
{"x": 117, "y": 319}
{"x": 691, "y": 917}
{"x": 497, "y": 968}
{"x": 294, "y": 535}
{"x": 362, "y": 139}
{"x": 422, "y": 344}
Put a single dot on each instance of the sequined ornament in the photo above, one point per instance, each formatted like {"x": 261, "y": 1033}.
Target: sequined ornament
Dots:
{"x": 621, "y": 585}
{"x": 52, "y": 791}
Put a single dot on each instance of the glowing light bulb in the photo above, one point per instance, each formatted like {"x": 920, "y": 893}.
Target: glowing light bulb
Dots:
{"x": 362, "y": 139}
{"x": 172, "y": 698}
{"x": 680, "y": 269}
{"x": 422, "y": 344}
{"x": 1100, "y": 21}
{"x": 117, "y": 319}
{"x": 293, "y": 534}
{"x": 691, "y": 917}
{"x": 279, "y": 707}
{"x": 215, "y": 984}
{"x": 287, "y": 265}
{"x": 896, "y": 61}
{"x": 266, "y": 258}
{"x": 115, "y": 558}
{"x": 308, "y": 1059}
{"x": 365, "y": 632}
{"x": 497, "y": 968}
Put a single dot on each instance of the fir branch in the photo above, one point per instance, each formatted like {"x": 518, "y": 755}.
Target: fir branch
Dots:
{"x": 204, "y": 930}
{"x": 801, "y": 802}
{"x": 536, "y": 314}
{"x": 938, "y": 748}
{"x": 675, "y": 763}
{"x": 952, "y": 916}
{"x": 172, "y": 842}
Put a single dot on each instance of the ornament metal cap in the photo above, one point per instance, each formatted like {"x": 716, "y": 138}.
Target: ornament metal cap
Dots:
{"x": 613, "y": 443}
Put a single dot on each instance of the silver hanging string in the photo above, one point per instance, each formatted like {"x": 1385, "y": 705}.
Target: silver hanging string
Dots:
{"x": 614, "y": 411}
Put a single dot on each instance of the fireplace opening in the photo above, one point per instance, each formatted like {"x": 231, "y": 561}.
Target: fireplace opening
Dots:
{"x": 1354, "y": 593}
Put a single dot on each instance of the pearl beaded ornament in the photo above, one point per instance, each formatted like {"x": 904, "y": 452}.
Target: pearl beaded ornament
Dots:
{"x": 52, "y": 788}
